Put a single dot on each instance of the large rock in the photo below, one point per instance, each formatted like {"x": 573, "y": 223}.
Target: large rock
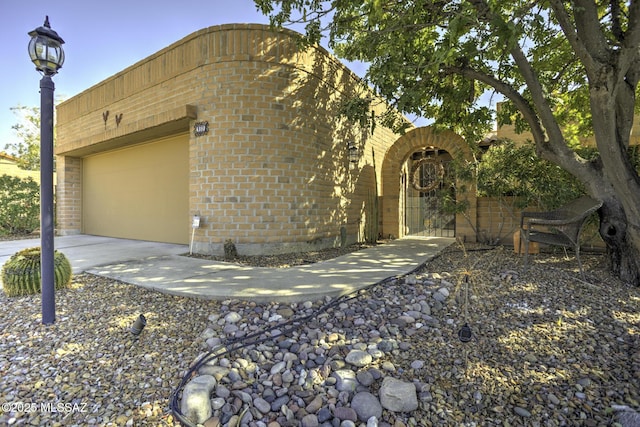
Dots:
{"x": 358, "y": 358}
{"x": 366, "y": 406}
{"x": 195, "y": 404}
{"x": 398, "y": 396}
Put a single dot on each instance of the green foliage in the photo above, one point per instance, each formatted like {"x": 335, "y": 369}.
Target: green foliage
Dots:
{"x": 230, "y": 251}
{"x": 21, "y": 273}
{"x": 510, "y": 170}
{"x": 27, "y": 150}
{"x": 19, "y": 205}
{"x": 453, "y": 61}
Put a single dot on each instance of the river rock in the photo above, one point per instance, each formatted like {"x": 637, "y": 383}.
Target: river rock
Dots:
{"x": 345, "y": 379}
{"x": 398, "y": 396}
{"x": 366, "y": 406}
{"x": 358, "y": 358}
{"x": 195, "y": 404}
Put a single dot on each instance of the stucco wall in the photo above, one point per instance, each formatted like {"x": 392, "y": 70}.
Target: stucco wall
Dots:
{"x": 272, "y": 174}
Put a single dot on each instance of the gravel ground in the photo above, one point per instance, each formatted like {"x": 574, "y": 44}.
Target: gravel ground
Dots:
{"x": 547, "y": 349}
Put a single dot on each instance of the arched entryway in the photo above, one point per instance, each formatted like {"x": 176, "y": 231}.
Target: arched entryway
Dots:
{"x": 399, "y": 164}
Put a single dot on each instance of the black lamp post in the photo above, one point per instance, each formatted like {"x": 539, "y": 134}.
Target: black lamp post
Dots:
{"x": 45, "y": 50}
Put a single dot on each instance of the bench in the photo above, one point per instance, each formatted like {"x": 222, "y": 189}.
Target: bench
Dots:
{"x": 560, "y": 227}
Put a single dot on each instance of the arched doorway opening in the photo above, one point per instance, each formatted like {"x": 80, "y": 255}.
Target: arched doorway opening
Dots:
{"x": 402, "y": 214}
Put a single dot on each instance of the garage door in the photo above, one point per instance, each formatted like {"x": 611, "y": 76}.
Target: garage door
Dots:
{"x": 139, "y": 192}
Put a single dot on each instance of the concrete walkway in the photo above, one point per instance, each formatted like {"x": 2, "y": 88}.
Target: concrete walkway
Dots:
{"x": 163, "y": 267}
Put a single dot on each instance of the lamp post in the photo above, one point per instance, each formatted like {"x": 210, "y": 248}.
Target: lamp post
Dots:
{"x": 45, "y": 50}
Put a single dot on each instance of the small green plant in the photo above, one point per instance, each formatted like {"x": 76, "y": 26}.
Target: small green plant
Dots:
{"x": 230, "y": 251}
{"x": 21, "y": 273}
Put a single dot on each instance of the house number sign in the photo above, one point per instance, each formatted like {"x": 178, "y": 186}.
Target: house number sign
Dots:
{"x": 201, "y": 128}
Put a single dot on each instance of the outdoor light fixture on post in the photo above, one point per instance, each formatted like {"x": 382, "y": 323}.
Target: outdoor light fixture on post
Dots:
{"x": 45, "y": 50}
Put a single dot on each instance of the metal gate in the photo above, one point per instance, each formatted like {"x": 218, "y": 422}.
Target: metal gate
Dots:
{"x": 425, "y": 211}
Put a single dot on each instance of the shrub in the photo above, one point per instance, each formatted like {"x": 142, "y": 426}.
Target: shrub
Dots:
{"x": 19, "y": 205}
{"x": 21, "y": 273}
{"x": 510, "y": 170}
{"x": 230, "y": 251}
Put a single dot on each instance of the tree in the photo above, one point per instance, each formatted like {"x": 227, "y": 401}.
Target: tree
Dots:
{"x": 27, "y": 150}
{"x": 567, "y": 70}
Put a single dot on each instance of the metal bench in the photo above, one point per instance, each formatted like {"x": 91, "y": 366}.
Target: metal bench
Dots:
{"x": 560, "y": 227}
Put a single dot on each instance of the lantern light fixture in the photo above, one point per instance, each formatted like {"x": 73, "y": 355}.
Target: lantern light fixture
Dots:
{"x": 45, "y": 49}
{"x": 354, "y": 153}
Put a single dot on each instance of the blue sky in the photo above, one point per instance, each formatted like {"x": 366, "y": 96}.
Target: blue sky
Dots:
{"x": 101, "y": 38}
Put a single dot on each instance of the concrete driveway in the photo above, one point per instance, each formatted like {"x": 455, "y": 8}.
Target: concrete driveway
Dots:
{"x": 86, "y": 252}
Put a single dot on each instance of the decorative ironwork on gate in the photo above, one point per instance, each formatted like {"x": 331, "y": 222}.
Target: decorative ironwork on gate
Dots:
{"x": 427, "y": 189}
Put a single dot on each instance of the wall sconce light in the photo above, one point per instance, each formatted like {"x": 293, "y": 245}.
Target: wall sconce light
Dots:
{"x": 200, "y": 128}
{"x": 354, "y": 153}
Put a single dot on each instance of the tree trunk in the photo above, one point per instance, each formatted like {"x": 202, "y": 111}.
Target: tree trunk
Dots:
{"x": 622, "y": 243}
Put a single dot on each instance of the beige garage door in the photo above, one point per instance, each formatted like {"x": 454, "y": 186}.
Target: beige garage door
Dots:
{"x": 139, "y": 192}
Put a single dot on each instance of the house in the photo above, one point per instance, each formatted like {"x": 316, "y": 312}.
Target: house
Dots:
{"x": 234, "y": 133}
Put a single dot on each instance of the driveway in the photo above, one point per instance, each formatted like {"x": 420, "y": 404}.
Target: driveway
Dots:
{"x": 86, "y": 252}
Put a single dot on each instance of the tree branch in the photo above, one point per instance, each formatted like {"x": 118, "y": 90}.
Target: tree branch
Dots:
{"x": 574, "y": 39}
{"x": 510, "y": 93}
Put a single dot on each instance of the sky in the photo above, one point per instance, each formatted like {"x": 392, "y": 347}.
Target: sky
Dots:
{"x": 101, "y": 39}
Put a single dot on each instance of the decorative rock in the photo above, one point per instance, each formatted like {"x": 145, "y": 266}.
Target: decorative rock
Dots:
{"x": 522, "y": 412}
{"x": 365, "y": 378}
{"x": 285, "y": 312}
{"x": 212, "y": 422}
{"x": 439, "y": 296}
{"x": 324, "y": 414}
{"x": 398, "y": 396}
{"x": 358, "y": 358}
{"x": 278, "y": 367}
{"x": 261, "y": 405}
{"x": 344, "y": 413}
{"x": 208, "y": 333}
{"x": 309, "y": 420}
{"x": 277, "y": 404}
{"x": 222, "y": 391}
{"x": 195, "y": 403}
{"x": 385, "y": 346}
{"x": 417, "y": 364}
{"x": 444, "y": 291}
{"x": 366, "y": 406}
{"x": 345, "y": 380}
{"x": 217, "y": 403}
{"x": 232, "y": 317}
{"x": 315, "y": 405}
